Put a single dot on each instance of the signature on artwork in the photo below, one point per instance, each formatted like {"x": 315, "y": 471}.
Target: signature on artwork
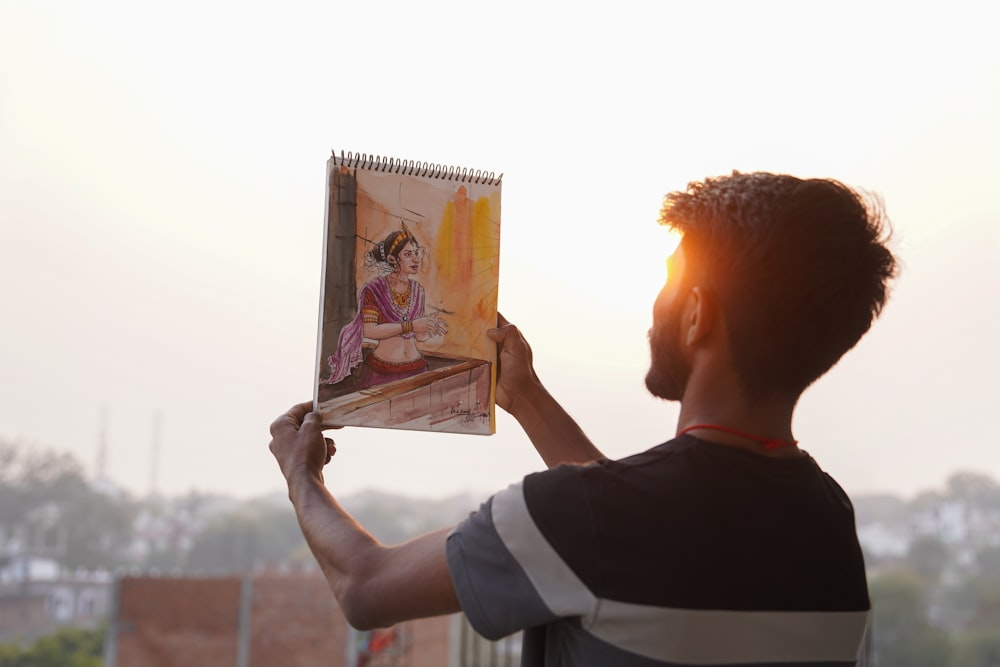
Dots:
{"x": 470, "y": 414}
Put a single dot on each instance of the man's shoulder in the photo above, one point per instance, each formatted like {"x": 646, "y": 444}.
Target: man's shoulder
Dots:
{"x": 684, "y": 483}
{"x": 669, "y": 468}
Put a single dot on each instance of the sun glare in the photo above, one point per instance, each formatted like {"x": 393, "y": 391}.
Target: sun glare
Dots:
{"x": 673, "y": 240}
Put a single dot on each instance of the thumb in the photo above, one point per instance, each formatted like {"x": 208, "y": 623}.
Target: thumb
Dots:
{"x": 498, "y": 335}
{"x": 500, "y": 332}
{"x": 312, "y": 422}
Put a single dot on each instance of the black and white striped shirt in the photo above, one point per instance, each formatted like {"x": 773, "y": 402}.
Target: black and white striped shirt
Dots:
{"x": 690, "y": 553}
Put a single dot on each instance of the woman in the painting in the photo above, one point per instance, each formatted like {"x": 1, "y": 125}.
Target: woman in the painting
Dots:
{"x": 390, "y": 312}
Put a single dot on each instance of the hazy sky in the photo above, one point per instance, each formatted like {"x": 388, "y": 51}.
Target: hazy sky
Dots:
{"x": 162, "y": 169}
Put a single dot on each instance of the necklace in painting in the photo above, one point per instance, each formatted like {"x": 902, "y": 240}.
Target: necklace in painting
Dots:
{"x": 401, "y": 300}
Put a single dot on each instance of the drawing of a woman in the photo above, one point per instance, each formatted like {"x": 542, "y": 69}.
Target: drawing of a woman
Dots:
{"x": 391, "y": 313}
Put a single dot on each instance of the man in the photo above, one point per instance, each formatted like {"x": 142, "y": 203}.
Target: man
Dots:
{"x": 726, "y": 545}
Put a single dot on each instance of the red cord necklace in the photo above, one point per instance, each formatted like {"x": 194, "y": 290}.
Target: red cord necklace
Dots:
{"x": 766, "y": 443}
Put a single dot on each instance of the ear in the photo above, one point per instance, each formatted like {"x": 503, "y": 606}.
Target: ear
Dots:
{"x": 700, "y": 316}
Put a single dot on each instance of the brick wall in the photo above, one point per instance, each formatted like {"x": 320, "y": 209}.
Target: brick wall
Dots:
{"x": 295, "y": 621}
{"x": 267, "y": 621}
{"x": 167, "y": 622}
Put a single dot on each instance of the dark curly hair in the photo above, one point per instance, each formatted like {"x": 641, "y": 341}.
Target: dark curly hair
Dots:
{"x": 800, "y": 268}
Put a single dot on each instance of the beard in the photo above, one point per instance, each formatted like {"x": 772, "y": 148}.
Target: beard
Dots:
{"x": 669, "y": 370}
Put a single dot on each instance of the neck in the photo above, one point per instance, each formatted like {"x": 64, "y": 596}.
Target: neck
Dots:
{"x": 715, "y": 394}
{"x": 727, "y": 406}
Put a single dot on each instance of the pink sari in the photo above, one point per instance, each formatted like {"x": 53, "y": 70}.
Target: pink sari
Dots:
{"x": 349, "y": 352}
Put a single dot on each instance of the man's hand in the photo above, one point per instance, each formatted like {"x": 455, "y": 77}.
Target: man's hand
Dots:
{"x": 515, "y": 372}
{"x": 298, "y": 444}
{"x": 555, "y": 435}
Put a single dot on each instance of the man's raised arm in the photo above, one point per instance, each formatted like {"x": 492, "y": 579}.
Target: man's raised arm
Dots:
{"x": 376, "y": 585}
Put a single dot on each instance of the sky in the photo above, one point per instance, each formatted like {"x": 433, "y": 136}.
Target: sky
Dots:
{"x": 162, "y": 172}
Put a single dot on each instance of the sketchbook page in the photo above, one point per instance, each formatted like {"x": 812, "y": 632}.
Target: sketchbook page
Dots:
{"x": 410, "y": 278}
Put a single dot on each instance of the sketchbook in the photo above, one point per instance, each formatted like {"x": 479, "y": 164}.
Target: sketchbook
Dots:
{"x": 410, "y": 275}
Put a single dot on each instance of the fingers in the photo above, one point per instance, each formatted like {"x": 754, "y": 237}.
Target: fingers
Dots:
{"x": 431, "y": 325}
{"x": 499, "y": 331}
{"x": 292, "y": 419}
{"x": 439, "y": 327}
{"x": 503, "y": 333}
{"x": 312, "y": 422}
{"x": 298, "y": 444}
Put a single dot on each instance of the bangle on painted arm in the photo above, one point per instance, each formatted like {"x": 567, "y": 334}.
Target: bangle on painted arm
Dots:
{"x": 406, "y": 327}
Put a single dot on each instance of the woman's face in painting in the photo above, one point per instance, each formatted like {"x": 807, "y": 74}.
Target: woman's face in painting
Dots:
{"x": 408, "y": 258}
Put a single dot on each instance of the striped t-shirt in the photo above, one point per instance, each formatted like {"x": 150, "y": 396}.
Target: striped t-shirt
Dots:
{"x": 690, "y": 553}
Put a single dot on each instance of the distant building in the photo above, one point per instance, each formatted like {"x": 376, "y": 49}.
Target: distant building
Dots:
{"x": 38, "y": 597}
{"x": 884, "y": 540}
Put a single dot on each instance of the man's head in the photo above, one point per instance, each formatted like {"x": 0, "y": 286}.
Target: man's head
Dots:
{"x": 796, "y": 269}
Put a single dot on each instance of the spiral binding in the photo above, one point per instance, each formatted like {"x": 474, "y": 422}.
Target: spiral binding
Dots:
{"x": 410, "y": 168}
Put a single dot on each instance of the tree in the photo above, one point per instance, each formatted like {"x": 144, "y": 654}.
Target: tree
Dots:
{"x": 9, "y": 655}
{"x": 928, "y": 556}
{"x": 987, "y": 562}
{"x": 45, "y": 496}
{"x": 257, "y": 534}
{"x": 974, "y": 488}
{"x": 979, "y": 598}
{"x": 902, "y": 634}
{"x": 65, "y": 648}
{"x": 979, "y": 649}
